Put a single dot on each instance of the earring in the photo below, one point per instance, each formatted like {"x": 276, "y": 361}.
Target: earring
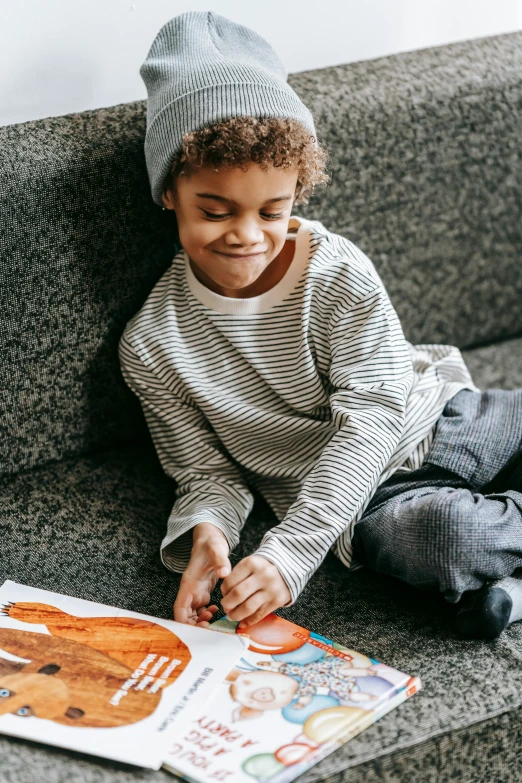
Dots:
{"x": 164, "y": 208}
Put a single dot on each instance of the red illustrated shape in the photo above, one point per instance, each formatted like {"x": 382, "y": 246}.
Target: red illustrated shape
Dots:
{"x": 273, "y": 635}
{"x": 293, "y": 753}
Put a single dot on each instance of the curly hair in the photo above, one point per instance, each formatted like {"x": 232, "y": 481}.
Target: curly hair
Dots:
{"x": 238, "y": 141}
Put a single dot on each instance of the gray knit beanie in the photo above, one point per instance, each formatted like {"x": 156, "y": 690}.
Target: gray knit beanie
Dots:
{"x": 202, "y": 68}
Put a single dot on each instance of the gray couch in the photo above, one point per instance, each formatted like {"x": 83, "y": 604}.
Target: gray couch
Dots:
{"x": 427, "y": 180}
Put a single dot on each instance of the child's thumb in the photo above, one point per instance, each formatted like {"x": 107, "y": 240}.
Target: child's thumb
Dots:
{"x": 221, "y": 564}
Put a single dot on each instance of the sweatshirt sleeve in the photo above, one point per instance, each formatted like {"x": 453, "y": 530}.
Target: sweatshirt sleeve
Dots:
{"x": 210, "y": 487}
{"x": 371, "y": 374}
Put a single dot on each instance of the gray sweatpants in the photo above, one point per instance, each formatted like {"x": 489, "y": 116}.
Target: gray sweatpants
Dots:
{"x": 457, "y": 520}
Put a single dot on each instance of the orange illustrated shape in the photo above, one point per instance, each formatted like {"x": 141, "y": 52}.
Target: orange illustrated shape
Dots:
{"x": 91, "y": 671}
{"x": 274, "y": 635}
{"x": 293, "y": 753}
{"x": 69, "y": 683}
{"x": 126, "y": 639}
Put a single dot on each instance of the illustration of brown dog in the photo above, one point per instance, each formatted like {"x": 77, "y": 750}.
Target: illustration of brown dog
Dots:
{"x": 77, "y": 676}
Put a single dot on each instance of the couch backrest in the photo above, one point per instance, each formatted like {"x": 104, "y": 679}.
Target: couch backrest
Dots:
{"x": 426, "y": 178}
{"x": 82, "y": 244}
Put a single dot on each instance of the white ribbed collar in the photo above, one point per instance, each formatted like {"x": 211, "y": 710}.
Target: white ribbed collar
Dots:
{"x": 257, "y": 304}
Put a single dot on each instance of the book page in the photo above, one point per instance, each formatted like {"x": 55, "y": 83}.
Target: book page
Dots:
{"x": 292, "y": 698}
{"x": 103, "y": 680}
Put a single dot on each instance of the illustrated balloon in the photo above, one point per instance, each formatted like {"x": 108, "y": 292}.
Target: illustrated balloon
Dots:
{"x": 274, "y": 635}
{"x": 302, "y": 739}
{"x": 305, "y": 654}
{"x": 327, "y": 724}
{"x": 374, "y": 685}
{"x": 262, "y": 766}
{"x": 318, "y": 702}
{"x": 293, "y": 753}
{"x": 308, "y": 653}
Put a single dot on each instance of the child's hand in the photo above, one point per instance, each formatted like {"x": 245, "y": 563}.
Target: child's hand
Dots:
{"x": 208, "y": 563}
{"x": 254, "y": 589}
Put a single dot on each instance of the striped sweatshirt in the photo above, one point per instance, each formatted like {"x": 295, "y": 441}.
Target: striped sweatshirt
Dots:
{"x": 308, "y": 393}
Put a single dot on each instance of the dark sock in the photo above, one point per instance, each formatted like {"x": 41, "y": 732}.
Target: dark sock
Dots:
{"x": 513, "y": 587}
{"x": 485, "y": 613}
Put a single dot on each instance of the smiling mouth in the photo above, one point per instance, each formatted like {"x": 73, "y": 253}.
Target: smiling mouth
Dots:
{"x": 230, "y": 255}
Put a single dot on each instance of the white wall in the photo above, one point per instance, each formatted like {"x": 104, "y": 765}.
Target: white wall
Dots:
{"x": 62, "y": 56}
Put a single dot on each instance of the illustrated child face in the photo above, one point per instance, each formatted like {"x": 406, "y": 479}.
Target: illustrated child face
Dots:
{"x": 264, "y": 690}
{"x": 233, "y": 224}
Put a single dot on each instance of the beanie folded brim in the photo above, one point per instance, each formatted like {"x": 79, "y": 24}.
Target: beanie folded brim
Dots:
{"x": 203, "y": 107}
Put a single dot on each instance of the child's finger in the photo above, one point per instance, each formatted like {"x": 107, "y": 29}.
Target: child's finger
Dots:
{"x": 220, "y": 562}
{"x": 240, "y": 593}
{"x": 203, "y": 617}
{"x": 183, "y": 605}
{"x": 256, "y": 616}
{"x": 248, "y": 607}
{"x": 212, "y": 609}
{"x": 206, "y": 613}
{"x": 240, "y": 572}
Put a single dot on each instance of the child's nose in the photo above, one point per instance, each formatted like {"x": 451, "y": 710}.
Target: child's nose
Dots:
{"x": 246, "y": 233}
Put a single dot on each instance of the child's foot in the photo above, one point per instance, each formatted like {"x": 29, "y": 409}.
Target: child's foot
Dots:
{"x": 485, "y": 613}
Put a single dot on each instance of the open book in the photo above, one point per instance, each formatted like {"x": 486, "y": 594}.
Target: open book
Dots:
{"x": 293, "y": 698}
{"x": 101, "y": 680}
{"x": 212, "y": 705}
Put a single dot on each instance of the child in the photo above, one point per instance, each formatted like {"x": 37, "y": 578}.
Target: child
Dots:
{"x": 269, "y": 355}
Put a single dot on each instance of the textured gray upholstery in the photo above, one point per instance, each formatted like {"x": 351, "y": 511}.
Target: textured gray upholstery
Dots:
{"x": 427, "y": 176}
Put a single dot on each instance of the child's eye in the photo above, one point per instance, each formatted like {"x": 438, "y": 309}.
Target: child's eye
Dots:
{"x": 214, "y": 216}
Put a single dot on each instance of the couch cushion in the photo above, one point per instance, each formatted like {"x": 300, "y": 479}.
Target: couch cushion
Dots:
{"x": 496, "y": 366}
{"x": 425, "y": 160}
{"x": 92, "y": 526}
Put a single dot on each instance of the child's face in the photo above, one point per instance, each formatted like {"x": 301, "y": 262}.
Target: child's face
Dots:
{"x": 233, "y": 223}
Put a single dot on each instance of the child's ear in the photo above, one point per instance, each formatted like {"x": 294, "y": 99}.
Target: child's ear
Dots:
{"x": 168, "y": 202}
